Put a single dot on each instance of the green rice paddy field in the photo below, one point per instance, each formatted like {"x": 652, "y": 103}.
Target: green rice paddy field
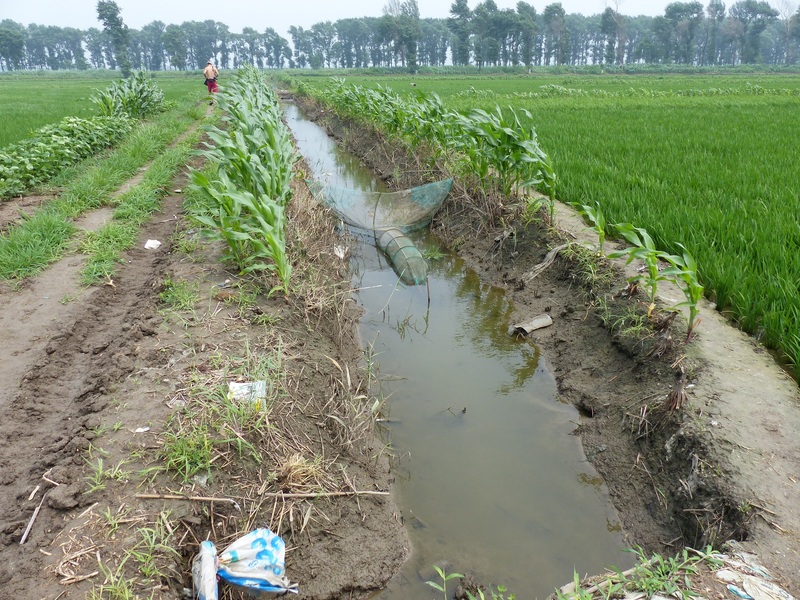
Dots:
{"x": 29, "y": 101}
{"x": 707, "y": 161}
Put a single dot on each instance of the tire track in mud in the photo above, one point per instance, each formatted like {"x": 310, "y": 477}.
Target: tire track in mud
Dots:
{"x": 50, "y": 413}
{"x": 64, "y": 350}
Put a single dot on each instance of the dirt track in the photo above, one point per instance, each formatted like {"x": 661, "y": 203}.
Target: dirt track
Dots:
{"x": 95, "y": 374}
{"x": 86, "y": 368}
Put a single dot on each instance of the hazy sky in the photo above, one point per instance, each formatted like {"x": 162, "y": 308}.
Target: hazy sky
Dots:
{"x": 260, "y": 14}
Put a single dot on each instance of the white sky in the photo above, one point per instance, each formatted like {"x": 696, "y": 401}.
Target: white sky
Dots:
{"x": 260, "y": 14}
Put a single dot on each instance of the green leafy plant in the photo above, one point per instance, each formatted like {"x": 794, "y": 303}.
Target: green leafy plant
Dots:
{"x": 643, "y": 249}
{"x": 136, "y": 97}
{"x": 243, "y": 203}
{"x": 598, "y": 220}
{"x": 52, "y": 148}
{"x": 445, "y": 577}
{"x": 683, "y": 270}
{"x": 187, "y": 450}
{"x": 179, "y": 295}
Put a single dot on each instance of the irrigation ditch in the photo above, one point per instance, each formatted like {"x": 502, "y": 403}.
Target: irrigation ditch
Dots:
{"x": 693, "y": 440}
{"x": 125, "y": 377}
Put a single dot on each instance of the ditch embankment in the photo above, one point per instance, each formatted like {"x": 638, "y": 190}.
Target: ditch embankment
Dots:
{"x": 696, "y": 441}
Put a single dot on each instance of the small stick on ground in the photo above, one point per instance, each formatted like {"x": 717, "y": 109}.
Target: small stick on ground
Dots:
{"x": 190, "y": 498}
{"x": 33, "y": 518}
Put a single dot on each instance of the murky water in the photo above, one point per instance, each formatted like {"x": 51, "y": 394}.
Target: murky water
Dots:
{"x": 489, "y": 478}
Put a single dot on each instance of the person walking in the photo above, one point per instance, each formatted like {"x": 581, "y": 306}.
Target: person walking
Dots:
{"x": 211, "y": 74}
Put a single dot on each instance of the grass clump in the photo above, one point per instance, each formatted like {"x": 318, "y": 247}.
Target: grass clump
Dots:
{"x": 663, "y": 575}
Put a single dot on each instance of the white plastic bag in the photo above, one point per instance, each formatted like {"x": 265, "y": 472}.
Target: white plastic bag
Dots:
{"x": 256, "y": 561}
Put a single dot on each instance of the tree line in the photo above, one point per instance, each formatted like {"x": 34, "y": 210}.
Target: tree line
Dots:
{"x": 747, "y": 32}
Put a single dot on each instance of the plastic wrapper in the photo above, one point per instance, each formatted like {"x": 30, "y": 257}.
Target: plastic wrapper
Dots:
{"x": 255, "y": 561}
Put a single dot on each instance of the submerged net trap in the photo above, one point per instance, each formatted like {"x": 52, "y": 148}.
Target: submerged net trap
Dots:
{"x": 405, "y": 210}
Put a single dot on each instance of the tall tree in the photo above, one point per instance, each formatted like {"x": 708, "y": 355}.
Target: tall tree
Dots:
{"x": 715, "y": 14}
{"x": 303, "y": 49}
{"x": 153, "y": 45}
{"x": 460, "y": 23}
{"x": 754, "y": 17}
{"x": 12, "y": 45}
{"x": 529, "y": 26}
{"x": 108, "y": 13}
{"x": 555, "y": 31}
{"x": 684, "y": 19}
{"x": 175, "y": 46}
{"x": 400, "y": 24}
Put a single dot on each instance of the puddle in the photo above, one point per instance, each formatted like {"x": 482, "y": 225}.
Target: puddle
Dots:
{"x": 490, "y": 480}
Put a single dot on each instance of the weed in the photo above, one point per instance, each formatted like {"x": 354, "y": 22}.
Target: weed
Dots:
{"x": 590, "y": 271}
{"x": 265, "y": 319}
{"x": 154, "y": 549}
{"x": 433, "y": 253}
{"x": 187, "y": 450}
{"x": 658, "y": 575}
{"x": 445, "y": 578}
{"x": 114, "y": 520}
{"x": 179, "y": 295}
{"x": 115, "y": 586}
{"x": 99, "y": 475}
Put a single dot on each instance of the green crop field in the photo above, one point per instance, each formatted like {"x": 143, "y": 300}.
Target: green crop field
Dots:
{"x": 29, "y": 101}
{"x": 706, "y": 161}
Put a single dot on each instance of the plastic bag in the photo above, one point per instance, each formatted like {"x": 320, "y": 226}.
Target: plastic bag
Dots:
{"x": 255, "y": 561}
{"x": 204, "y": 572}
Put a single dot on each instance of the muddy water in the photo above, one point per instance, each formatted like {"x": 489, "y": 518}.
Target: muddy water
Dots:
{"x": 490, "y": 480}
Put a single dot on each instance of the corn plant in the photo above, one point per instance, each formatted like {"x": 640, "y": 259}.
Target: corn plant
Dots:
{"x": 136, "y": 96}
{"x": 644, "y": 249}
{"x": 598, "y": 220}
{"x": 683, "y": 271}
{"x": 244, "y": 206}
{"x": 495, "y": 146}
